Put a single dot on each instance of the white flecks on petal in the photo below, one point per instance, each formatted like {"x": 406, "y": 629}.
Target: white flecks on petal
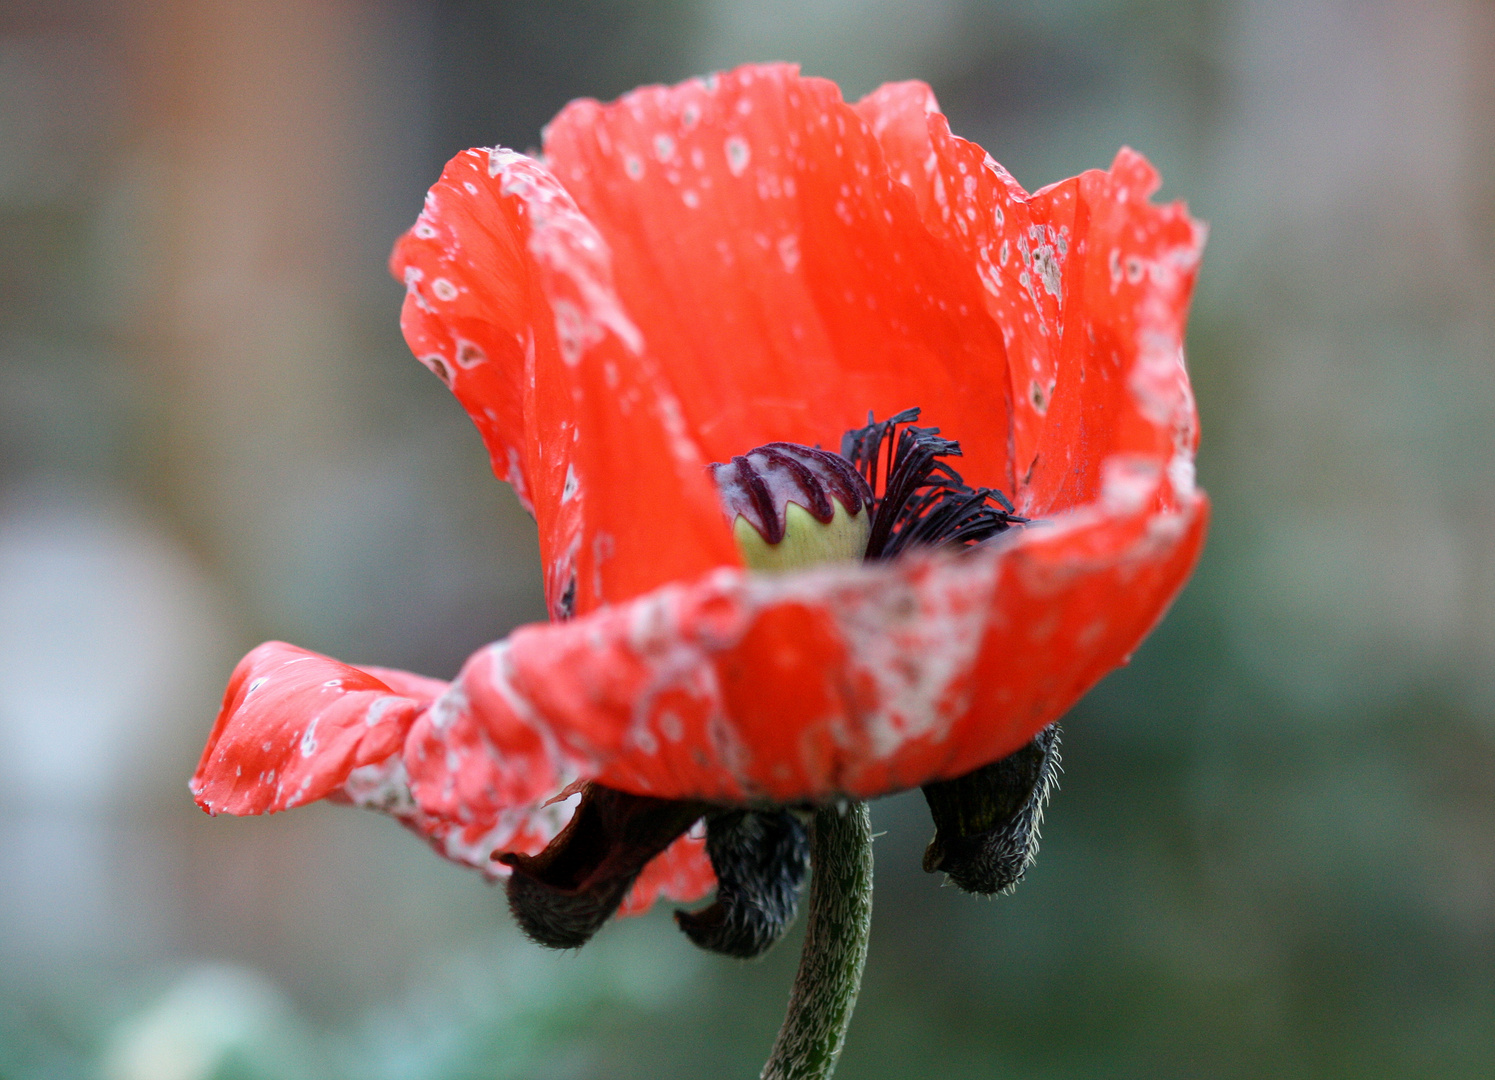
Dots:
{"x": 574, "y": 332}
{"x": 788, "y": 246}
{"x": 1128, "y": 482}
{"x": 499, "y": 158}
{"x": 383, "y": 786}
{"x": 1181, "y": 475}
{"x": 309, "y": 738}
{"x": 469, "y": 354}
{"x": 448, "y": 707}
{"x": 738, "y": 154}
{"x": 381, "y": 706}
{"x": 1048, "y": 269}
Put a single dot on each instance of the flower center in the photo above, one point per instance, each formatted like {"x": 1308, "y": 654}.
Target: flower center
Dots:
{"x": 794, "y": 506}
{"x": 889, "y": 489}
{"x": 791, "y": 507}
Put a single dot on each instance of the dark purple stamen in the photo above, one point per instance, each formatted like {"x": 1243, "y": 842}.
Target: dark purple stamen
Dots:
{"x": 923, "y": 501}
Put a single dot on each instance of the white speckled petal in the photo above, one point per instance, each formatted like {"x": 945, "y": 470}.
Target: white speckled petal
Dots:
{"x": 859, "y": 680}
{"x": 298, "y": 726}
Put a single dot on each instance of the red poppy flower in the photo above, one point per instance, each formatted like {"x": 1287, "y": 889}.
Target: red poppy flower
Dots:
{"x": 687, "y": 274}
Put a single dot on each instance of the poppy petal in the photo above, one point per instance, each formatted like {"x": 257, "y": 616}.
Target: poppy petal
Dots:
{"x": 510, "y": 297}
{"x": 459, "y": 766}
{"x": 1090, "y": 282}
{"x": 859, "y": 680}
{"x": 975, "y": 206}
{"x": 1122, "y": 385}
{"x": 785, "y": 283}
{"x": 475, "y": 339}
{"x": 297, "y": 726}
{"x": 294, "y": 725}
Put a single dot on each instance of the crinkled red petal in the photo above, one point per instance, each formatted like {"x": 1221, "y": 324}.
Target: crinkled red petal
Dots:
{"x": 750, "y": 259}
{"x": 976, "y": 207}
{"x": 297, "y": 726}
{"x": 294, "y": 725}
{"x": 510, "y": 297}
{"x": 859, "y": 681}
{"x": 1089, "y": 281}
{"x": 1122, "y": 387}
{"x": 784, "y": 282}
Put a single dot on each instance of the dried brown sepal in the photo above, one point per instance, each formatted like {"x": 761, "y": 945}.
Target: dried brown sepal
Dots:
{"x": 986, "y": 822}
{"x": 760, "y": 858}
{"x": 562, "y": 896}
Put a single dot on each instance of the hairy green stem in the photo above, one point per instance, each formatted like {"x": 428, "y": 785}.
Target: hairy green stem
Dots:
{"x": 830, "y": 967}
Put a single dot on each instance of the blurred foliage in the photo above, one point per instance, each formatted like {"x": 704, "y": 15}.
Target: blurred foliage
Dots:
{"x": 1274, "y": 848}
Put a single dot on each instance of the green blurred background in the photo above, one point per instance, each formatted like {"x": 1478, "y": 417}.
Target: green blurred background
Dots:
{"x": 1274, "y": 850}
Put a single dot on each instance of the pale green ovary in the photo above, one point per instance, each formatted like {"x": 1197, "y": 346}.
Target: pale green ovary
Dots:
{"x": 806, "y": 541}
